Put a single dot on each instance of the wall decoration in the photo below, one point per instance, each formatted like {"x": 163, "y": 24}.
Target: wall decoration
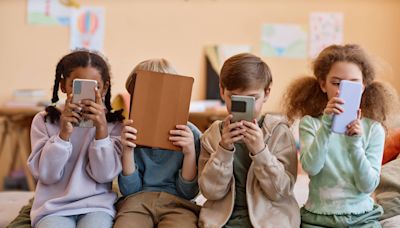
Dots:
{"x": 325, "y": 29}
{"x": 87, "y": 28}
{"x": 283, "y": 40}
{"x": 50, "y": 12}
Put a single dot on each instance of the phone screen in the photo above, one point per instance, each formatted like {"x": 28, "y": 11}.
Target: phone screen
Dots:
{"x": 238, "y": 106}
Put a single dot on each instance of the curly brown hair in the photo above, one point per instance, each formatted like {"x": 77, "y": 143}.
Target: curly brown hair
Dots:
{"x": 305, "y": 97}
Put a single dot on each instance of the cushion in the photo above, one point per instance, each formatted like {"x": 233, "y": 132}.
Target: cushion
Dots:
{"x": 392, "y": 146}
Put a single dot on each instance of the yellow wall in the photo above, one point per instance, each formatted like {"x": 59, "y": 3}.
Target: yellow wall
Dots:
{"x": 178, "y": 30}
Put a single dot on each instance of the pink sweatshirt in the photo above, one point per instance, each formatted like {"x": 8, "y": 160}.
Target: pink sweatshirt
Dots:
{"x": 74, "y": 177}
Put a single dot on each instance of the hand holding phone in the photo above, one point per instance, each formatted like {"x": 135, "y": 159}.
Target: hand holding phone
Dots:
{"x": 253, "y": 137}
{"x": 69, "y": 118}
{"x": 350, "y": 92}
{"x": 232, "y": 132}
{"x": 84, "y": 89}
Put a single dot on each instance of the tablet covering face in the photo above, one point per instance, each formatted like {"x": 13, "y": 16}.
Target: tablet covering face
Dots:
{"x": 159, "y": 102}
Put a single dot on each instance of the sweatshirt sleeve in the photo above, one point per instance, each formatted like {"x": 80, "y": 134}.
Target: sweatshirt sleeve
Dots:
{"x": 131, "y": 184}
{"x": 49, "y": 154}
{"x": 314, "y": 143}
{"x": 215, "y": 172}
{"x": 189, "y": 189}
{"x": 367, "y": 163}
{"x": 105, "y": 156}
{"x": 275, "y": 168}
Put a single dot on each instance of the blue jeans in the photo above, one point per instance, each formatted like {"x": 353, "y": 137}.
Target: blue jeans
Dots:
{"x": 94, "y": 219}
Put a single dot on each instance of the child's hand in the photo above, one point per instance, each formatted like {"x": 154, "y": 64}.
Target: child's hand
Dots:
{"x": 128, "y": 136}
{"x": 69, "y": 116}
{"x": 95, "y": 111}
{"x": 231, "y": 133}
{"x": 253, "y": 137}
{"x": 354, "y": 128}
{"x": 183, "y": 137}
{"x": 334, "y": 105}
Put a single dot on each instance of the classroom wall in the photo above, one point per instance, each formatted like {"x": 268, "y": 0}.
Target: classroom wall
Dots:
{"x": 178, "y": 30}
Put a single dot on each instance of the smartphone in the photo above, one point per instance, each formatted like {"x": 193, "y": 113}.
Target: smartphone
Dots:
{"x": 350, "y": 92}
{"x": 242, "y": 108}
{"x": 84, "y": 89}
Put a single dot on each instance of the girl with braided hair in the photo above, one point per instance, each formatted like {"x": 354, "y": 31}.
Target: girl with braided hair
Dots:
{"x": 75, "y": 166}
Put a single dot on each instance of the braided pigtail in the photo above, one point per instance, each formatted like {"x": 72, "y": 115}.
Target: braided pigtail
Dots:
{"x": 52, "y": 113}
{"x": 112, "y": 115}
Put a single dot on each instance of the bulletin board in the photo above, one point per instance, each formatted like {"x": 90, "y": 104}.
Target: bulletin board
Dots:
{"x": 178, "y": 30}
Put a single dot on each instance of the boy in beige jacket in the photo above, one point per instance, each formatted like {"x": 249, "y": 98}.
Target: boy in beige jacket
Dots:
{"x": 247, "y": 170}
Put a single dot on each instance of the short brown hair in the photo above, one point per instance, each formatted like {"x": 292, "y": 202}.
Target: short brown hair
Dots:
{"x": 245, "y": 71}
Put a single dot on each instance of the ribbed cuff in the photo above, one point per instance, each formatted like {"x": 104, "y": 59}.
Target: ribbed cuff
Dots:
{"x": 225, "y": 155}
{"x": 61, "y": 141}
{"x": 327, "y": 121}
{"x": 102, "y": 142}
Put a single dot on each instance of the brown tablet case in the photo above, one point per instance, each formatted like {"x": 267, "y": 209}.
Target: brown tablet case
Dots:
{"x": 159, "y": 102}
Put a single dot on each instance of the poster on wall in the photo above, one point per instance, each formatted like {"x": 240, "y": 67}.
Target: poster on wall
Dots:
{"x": 49, "y": 12}
{"x": 284, "y": 40}
{"x": 87, "y": 28}
{"x": 325, "y": 29}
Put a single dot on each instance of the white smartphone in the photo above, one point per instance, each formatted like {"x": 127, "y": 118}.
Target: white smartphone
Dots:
{"x": 84, "y": 89}
{"x": 242, "y": 108}
{"x": 350, "y": 92}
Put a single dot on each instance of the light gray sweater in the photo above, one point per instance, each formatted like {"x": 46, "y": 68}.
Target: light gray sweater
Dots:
{"x": 74, "y": 177}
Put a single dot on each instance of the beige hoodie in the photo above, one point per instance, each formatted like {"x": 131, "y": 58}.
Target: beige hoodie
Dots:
{"x": 270, "y": 179}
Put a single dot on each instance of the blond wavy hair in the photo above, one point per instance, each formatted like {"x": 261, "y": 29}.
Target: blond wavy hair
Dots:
{"x": 157, "y": 65}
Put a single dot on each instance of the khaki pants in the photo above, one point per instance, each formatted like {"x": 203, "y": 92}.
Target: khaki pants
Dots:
{"x": 156, "y": 209}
